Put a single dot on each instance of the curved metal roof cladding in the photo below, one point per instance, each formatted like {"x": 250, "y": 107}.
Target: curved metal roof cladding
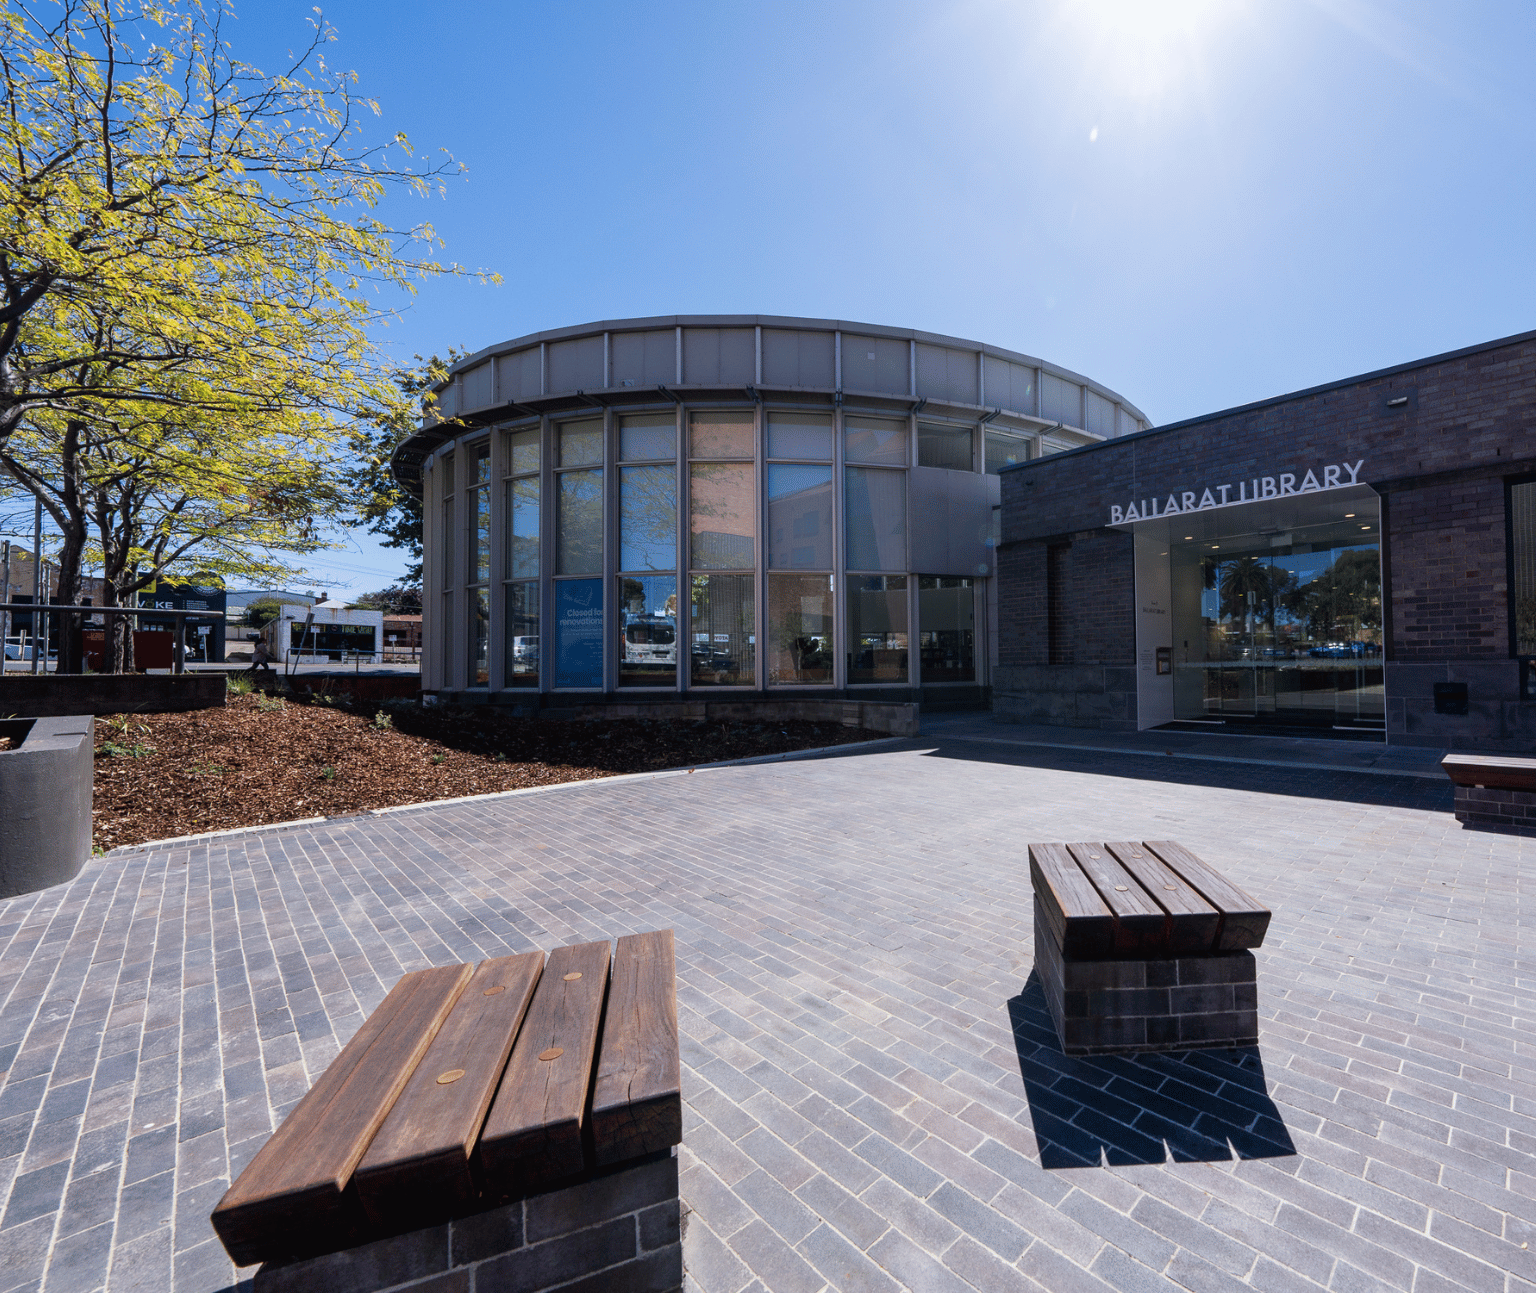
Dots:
{"x": 752, "y": 357}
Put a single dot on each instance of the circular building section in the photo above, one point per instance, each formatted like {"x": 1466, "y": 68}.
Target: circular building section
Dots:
{"x": 718, "y": 507}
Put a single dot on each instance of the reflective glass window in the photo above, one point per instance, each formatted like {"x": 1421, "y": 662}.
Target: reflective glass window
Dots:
{"x": 581, "y": 443}
{"x": 480, "y": 637}
{"x": 946, "y": 629}
{"x": 482, "y": 464}
{"x": 876, "y": 440}
{"x": 875, "y": 506}
{"x": 800, "y": 632}
{"x": 939, "y": 445}
{"x": 799, "y": 516}
{"x": 448, "y": 544}
{"x": 579, "y": 529}
{"x": 522, "y": 640}
{"x": 877, "y": 628}
{"x": 480, "y": 537}
{"x": 722, "y": 516}
{"x": 523, "y": 528}
{"x": 650, "y": 437}
{"x": 647, "y": 630}
{"x": 448, "y": 639}
{"x": 722, "y": 633}
{"x": 1003, "y": 450}
{"x": 720, "y": 435}
{"x": 524, "y": 451}
{"x": 799, "y": 435}
{"x": 648, "y": 518}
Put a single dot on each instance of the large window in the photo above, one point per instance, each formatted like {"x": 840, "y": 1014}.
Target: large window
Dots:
{"x": 722, "y": 515}
{"x": 943, "y": 445}
{"x": 946, "y": 629}
{"x": 722, "y": 631}
{"x": 800, "y": 642}
{"x": 875, "y": 502}
{"x": 579, "y": 499}
{"x": 1004, "y": 449}
{"x": 647, "y": 620}
{"x": 449, "y": 548}
{"x": 799, "y": 516}
{"x": 877, "y": 628}
{"x": 1522, "y": 517}
{"x": 522, "y": 588}
{"x": 479, "y": 581}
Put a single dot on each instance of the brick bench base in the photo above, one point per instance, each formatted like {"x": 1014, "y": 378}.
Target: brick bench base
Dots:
{"x": 616, "y": 1233}
{"x": 1179, "y": 1003}
{"x": 1512, "y": 811}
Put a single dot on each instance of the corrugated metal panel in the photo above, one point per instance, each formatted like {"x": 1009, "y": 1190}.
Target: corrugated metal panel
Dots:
{"x": 448, "y": 399}
{"x": 644, "y": 358}
{"x": 477, "y": 386}
{"x": 951, "y": 517}
{"x": 519, "y": 374}
{"x": 876, "y": 364}
{"x": 945, "y": 374}
{"x": 719, "y": 356}
{"x": 795, "y": 358}
{"x": 1060, "y": 400}
{"x": 1101, "y": 415}
{"x": 576, "y": 365}
{"x": 1128, "y": 424}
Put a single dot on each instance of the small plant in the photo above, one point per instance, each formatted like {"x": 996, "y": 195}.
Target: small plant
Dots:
{"x": 327, "y": 774}
{"x": 117, "y": 750}
{"x": 382, "y": 722}
{"x": 500, "y": 757}
{"x": 204, "y": 769}
{"x": 270, "y": 704}
{"x": 437, "y": 760}
{"x": 235, "y": 685}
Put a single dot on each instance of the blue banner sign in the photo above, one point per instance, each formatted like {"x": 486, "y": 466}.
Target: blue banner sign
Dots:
{"x": 579, "y": 633}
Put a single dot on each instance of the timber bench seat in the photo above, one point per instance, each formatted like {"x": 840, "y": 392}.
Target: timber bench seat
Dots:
{"x": 1493, "y": 790}
{"x": 477, "y": 1092}
{"x": 1142, "y": 946}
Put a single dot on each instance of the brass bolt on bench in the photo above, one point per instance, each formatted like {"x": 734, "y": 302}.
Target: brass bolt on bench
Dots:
{"x": 1143, "y": 947}
{"x": 516, "y": 1118}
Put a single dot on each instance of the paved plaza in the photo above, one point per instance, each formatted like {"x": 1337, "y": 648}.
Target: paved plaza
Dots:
{"x": 874, "y": 1097}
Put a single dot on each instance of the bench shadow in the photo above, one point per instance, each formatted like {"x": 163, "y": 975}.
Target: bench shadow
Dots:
{"x": 1191, "y": 1106}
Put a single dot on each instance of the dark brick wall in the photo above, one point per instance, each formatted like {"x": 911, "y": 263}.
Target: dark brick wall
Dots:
{"x": 1440, "y": 461}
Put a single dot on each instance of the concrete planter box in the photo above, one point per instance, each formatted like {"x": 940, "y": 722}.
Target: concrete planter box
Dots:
{"x": 45, "y": 801}
{"x": 55, "y": 695}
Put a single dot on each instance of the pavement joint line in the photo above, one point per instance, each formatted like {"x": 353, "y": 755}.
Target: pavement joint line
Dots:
{"x": 783, "y": 757}
{"x": 1208, "y": 758}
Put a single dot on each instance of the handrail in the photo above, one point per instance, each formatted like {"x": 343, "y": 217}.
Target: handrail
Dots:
{"x": 180, "y": 617}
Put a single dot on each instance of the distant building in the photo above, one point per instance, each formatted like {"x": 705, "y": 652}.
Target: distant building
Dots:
{"x": 325, "y": 631}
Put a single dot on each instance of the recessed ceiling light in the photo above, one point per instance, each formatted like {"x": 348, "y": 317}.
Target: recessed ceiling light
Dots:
{"x": 1215, "y": 547}
{"x": 1365, "y": 527}
{"x": 1348, "y": 516}
{"x": 1189, "y": 536}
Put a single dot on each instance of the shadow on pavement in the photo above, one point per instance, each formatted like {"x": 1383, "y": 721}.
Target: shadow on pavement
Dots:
{"x": 1192, "y": 1106}
{"x": 1381, "y": 790}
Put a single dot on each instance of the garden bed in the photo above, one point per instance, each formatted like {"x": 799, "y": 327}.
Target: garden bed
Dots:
{"x": 262, "y": 759}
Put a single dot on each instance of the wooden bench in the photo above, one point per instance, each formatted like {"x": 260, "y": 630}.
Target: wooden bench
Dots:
{"x": 467, "y": 1089}
{"x": 1495, "y": 791}
{"x": 1142, "y": 946}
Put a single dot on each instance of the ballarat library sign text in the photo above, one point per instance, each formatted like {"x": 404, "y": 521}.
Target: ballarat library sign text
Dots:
{"x": 1248, "y": 491}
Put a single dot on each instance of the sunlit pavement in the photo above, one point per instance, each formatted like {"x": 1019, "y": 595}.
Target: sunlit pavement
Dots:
{"x": 874, "y": 1100}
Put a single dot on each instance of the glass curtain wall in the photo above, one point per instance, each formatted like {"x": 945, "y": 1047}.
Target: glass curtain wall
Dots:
{"x": 801, "y": 555}
{"x": 448, "y": 546}
{"x": 579, "y": 554}
{"x": 722, "y": 549}
{"x": 875, "y": 451}
{"x": 1004, "y": 448}
{"x": 522, "y": 559}
{"x": 944, "y": 445}
{"x": 478, "y": 583}
{"x": 647, "y": 581}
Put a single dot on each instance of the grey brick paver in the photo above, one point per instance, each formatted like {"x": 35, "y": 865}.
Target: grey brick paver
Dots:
{"x": 854, "y": 935}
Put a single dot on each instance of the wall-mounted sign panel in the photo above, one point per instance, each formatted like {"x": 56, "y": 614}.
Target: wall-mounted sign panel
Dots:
{"x": 579, "y": 633}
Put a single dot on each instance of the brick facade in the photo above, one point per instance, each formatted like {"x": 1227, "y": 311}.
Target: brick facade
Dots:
{"x": 1439, "y": 439}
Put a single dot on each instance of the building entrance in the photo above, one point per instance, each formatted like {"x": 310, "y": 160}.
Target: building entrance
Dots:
{"x": 1272, "y": 614}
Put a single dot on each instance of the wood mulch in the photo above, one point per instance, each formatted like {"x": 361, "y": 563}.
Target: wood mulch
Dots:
{"x": 263, "y": 759}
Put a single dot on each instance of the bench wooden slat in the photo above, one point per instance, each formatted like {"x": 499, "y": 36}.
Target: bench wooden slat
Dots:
{"x": 534, "y": 1129}
{"x": 1193, "y": 924}
{"x": 1081, "y": 922}
{"x": 1243, "y": 920}
{"x": 294, "y": 1192}
{"x": 1494, "y": 771}
{"x": 417, "y": 1170}
{"x": 637, "y": 1100}
{"x": 1140, "y": 923}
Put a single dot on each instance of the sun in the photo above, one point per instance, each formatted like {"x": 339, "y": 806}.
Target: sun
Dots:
{"x": 1148, "y": 48}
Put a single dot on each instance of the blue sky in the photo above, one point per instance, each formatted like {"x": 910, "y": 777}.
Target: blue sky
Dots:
{"x": 1196, "y": 202}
